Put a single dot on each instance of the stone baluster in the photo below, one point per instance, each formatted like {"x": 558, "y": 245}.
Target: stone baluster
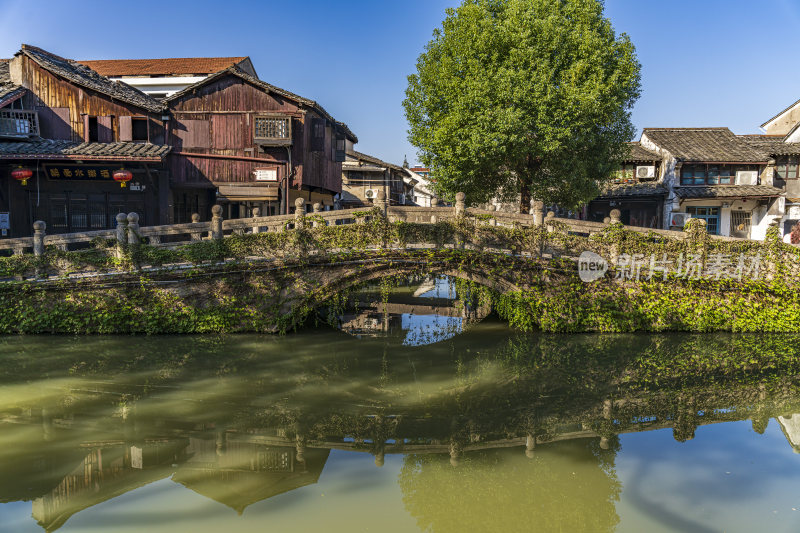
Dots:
{"x": 196, "y": 235}
{"x": 615, "y": 216}
{"x": 537, "y": 211}
{"x": 122, "y": 234}
{"x": 434, "y": 202}
{"x": 216, "y": 223}
{"x": 133, "y": 229}
{"x": 461, "y": 205}
{"x": 256, "y": 214}
{"x": 607, "y": 220}
{"x": 38, "y": 237}
{"x": 549, "y": 219}
{"x": 317, "y": 210}
{"x": 133, "y": 236}
{"x": 299, "y": 213}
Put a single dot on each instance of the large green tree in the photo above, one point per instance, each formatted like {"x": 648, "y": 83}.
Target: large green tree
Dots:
{"x": 523, "y": 95}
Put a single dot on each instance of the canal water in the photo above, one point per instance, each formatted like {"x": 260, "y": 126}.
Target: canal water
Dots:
{"x": 425, "y": 420}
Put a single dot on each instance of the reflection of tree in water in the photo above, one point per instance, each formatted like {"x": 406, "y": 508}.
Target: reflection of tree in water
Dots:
{"x": 566, "y": 486}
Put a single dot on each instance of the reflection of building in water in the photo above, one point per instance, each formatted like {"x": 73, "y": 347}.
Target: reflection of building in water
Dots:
{"x": 791, "y": 430}
{"x": 105, "y": 473}
{"x": 239, "y": 473}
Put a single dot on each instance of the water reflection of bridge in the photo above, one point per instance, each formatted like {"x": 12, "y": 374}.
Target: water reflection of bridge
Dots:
{"x": 242, "y": 466}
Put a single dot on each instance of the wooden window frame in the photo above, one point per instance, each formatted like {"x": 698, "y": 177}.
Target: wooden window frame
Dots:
{"x": 732, "y": 169}
{"x": 317, "y": 141}
{"x": 782, "y": 167}
{"x": 273, "y": 141}
{"x": 147, "y": 128}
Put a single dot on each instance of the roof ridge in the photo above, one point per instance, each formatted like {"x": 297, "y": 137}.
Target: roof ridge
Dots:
{"x": 165, "y": 58}
{"x": 30, "y": 47}
{"x": 84, "y": 76}
{"x": 699, "y": 128}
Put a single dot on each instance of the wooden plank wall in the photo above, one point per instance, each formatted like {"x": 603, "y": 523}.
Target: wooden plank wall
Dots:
{"x": 47, "y": 90}
{"x": 218, "y": 119}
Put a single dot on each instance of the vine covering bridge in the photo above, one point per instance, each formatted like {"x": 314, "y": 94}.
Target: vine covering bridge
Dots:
{"x": 269, "y": 273}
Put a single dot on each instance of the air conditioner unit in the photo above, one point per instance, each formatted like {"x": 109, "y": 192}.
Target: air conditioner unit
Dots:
{"x": 747, "y": 177}
{"x": 679, "y": 220}
{"x": 646, "y": 172}
{"x": 371, "y": 194}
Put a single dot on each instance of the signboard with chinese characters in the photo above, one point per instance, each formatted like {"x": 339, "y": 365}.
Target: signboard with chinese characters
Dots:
{"x": 267, "y": 174}
{"x": 57, "y": 172}
{"x": 5, "y": 224}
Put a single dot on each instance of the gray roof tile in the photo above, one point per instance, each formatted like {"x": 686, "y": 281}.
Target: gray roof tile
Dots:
{"x": 82, "y": 75}
{"x": 53, "y": 149}
{"x": 705, "y": 144}
{"x": 634, "y": 189}
{"x": 640, "y": 153}
{"x": 728, "y": 191}
{"x": 771, "y": 145}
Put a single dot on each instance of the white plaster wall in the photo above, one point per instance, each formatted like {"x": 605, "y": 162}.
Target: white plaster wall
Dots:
{"x": 666, "y": 177}
{"x": 161, "y": 85}
{"x": 725, "y": 221}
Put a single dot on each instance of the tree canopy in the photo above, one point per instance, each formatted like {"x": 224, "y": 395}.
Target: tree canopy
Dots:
{"x": 523, "y": 95}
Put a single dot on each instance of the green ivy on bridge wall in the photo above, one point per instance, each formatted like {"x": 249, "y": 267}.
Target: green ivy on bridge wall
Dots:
{"x": 228, "y": 286}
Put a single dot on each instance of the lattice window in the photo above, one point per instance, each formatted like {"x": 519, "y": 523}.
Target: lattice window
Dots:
{"x": 18, "y": 123}
{"x": 273, "y": 128}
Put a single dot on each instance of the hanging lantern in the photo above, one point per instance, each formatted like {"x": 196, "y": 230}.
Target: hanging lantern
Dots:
{"x": 22, "y": 174}
{"x": 122, "y": 176}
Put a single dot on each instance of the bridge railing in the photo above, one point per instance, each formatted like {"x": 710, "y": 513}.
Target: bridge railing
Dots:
{"x": 128, "y": 232}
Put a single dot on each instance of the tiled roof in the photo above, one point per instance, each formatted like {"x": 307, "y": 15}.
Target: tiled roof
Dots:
{"x": 8, "y": 89}
{"x": 236, "y": 71}
{"x": 728, "y": 191}
{"x": 85, "y": 77}
{"x": 169, "y": 66}
{"x": 771, "y": 144}
{"x": 374, "y": 160}
{"x": 634, "y": 189}
{"x": 705, "y": 144}
{"x": 640, "y": 153}
{"x": 52, "y": 149}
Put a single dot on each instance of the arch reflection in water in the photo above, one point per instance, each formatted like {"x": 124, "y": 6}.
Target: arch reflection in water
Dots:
{"x": 416, "y": 310}
{"x": 493, "y": 429}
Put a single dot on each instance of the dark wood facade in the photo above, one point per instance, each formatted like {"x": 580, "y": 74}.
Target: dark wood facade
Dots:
{"x": 68, "y": 111}
{"x": 72, "y": 188}
{"x": 212, "y": 133}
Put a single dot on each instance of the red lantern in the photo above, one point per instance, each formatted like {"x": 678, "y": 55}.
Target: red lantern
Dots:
{"x": 122, "y": 176}
{"x": 22, "y": 174}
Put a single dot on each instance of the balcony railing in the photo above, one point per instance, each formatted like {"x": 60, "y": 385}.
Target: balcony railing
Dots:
{"x": 16, "y": 123}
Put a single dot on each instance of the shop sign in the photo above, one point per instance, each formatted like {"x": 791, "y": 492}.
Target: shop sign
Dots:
{"x": 81, "y": 172}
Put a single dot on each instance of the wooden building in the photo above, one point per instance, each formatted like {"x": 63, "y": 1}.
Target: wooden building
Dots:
{"x": 635, "y": 191}
{"x": 73, "y": 128}
{"x": 244, "y": 143}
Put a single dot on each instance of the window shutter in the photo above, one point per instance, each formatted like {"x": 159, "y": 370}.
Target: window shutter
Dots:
{"x": 317, "y": 134}
{"x": 104, "y": 133}
{"x": 125, "y": 129}
{"x": 86, "y": 128}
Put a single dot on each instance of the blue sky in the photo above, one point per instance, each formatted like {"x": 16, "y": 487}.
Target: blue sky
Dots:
{"x": 704, "y": 62}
